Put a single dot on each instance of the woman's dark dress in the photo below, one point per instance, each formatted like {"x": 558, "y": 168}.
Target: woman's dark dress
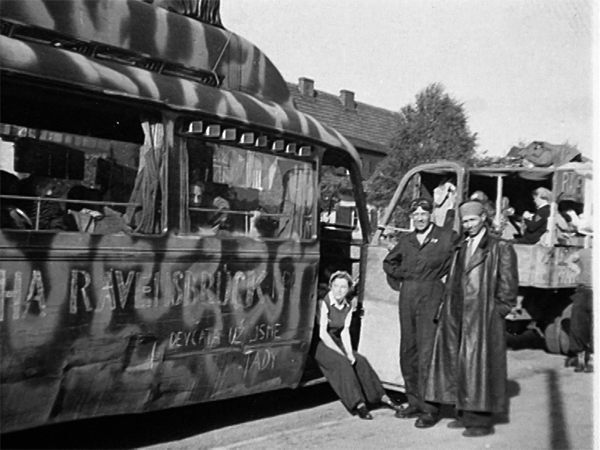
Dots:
{"x": 353, "y": 384}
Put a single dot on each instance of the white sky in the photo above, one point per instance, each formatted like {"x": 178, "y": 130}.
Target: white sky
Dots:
{"x": 524, "y": 69}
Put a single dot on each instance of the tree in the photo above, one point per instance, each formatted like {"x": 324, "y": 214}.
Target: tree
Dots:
{"x": 434, "y": 128}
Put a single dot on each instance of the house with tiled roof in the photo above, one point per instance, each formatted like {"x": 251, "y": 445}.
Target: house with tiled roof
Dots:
{"x": 369, "y": 128}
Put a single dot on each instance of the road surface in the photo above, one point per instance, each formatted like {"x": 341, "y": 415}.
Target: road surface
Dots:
{"x": 551, "y": 407}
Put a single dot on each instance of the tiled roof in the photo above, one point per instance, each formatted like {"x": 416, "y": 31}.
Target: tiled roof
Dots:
{"x": 367, "y": 127}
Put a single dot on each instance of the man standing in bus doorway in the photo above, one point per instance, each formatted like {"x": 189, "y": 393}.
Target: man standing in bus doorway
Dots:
{"x": 419, "y": 263}
{"x": 468, "y": 365}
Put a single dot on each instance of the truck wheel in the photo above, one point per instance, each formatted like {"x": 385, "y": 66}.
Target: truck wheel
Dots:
{"x": 551, "y": 337}
{"x": 556, "y": 333}
{"x": 564, "y": 329}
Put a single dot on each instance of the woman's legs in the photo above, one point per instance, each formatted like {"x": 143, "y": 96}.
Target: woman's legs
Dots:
{"x": 368, "y": 379}
{"x": 340, "y": 374}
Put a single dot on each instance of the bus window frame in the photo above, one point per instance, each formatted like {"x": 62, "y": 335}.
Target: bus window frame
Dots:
{"x": 103, "y": 104}
{"x": 184, "y": 225}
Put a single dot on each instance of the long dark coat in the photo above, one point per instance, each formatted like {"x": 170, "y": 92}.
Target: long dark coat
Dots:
{"x": 468, "y": 365}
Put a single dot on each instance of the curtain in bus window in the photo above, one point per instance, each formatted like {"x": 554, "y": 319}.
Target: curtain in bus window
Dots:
{"x": 297, "y": 205}
{"x": 273, "y": 174}
{"x": 271, "y": 184}
{"x": 230, "y": 166}
{"x": 144, "y": 218}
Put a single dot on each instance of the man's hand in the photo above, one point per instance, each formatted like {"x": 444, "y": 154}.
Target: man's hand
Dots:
{"x": 527, "y": 215}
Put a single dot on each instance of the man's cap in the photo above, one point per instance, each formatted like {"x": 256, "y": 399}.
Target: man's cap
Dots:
{"x": 472, "y": 208}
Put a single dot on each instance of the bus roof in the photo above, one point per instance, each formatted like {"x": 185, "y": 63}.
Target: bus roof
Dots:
{"x": 159, "y": 57}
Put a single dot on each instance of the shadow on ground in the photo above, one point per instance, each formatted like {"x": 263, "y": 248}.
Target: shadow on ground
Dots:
{"x": 152, "y": 428}
{"x": 528, "y": 339}
{"x": 139, "y": 430}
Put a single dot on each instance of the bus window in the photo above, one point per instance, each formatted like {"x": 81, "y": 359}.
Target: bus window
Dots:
{"x": 234, "y": 191}
{"x": 79, "y": 168}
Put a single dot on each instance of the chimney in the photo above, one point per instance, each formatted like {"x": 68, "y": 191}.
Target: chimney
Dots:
{"x": 306, "y": 87}
{"x": 347, "y": 99}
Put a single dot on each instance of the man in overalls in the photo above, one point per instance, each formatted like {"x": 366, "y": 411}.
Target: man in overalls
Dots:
{"x": 419, "y": 262}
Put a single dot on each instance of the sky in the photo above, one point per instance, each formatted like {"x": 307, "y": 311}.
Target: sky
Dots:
{"x": 524, "y": 70}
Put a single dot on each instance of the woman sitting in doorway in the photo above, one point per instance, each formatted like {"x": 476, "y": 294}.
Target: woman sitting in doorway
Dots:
{"x": 348, "y": 372}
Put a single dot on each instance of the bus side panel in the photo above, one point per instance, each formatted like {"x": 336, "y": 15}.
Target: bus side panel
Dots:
{"x": 131, "y": 331}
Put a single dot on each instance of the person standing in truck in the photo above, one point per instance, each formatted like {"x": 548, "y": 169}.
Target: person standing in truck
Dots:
{"x": 419, "y": 263}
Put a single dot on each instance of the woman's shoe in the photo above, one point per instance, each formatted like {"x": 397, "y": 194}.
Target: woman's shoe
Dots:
{"x": 364, "y": 413}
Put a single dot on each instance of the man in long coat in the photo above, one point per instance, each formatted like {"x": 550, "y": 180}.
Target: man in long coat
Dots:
{"x": 419, "y": 262}
{"x": 468, "y": 365}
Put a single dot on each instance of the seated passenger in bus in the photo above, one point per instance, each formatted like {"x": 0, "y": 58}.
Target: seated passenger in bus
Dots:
{"x": 536, "y": 223}
{"x": 11, "y": 215}
{"x": 51, "y": 215}
{"x": 83, "y": 214}
{"x": 210, "y": 215}
{"x": 263, "y": 224}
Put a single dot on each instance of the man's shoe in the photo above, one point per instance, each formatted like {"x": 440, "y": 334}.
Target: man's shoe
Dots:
{"x": 478, "y": 431}
{"x": 408, "y": 413}
{"x": 364, "y": 413}
{"x": 390, "y": 404}
{"x": 427, "y": 420}
{"x": 571, "y": 361}
{"x": 456, "y": 424}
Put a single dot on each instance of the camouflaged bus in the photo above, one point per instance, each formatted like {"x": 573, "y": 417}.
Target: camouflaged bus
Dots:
{"x": 160, "y": 238}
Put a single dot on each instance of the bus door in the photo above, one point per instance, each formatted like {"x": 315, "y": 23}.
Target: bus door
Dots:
{"x": 380, "y": 340}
